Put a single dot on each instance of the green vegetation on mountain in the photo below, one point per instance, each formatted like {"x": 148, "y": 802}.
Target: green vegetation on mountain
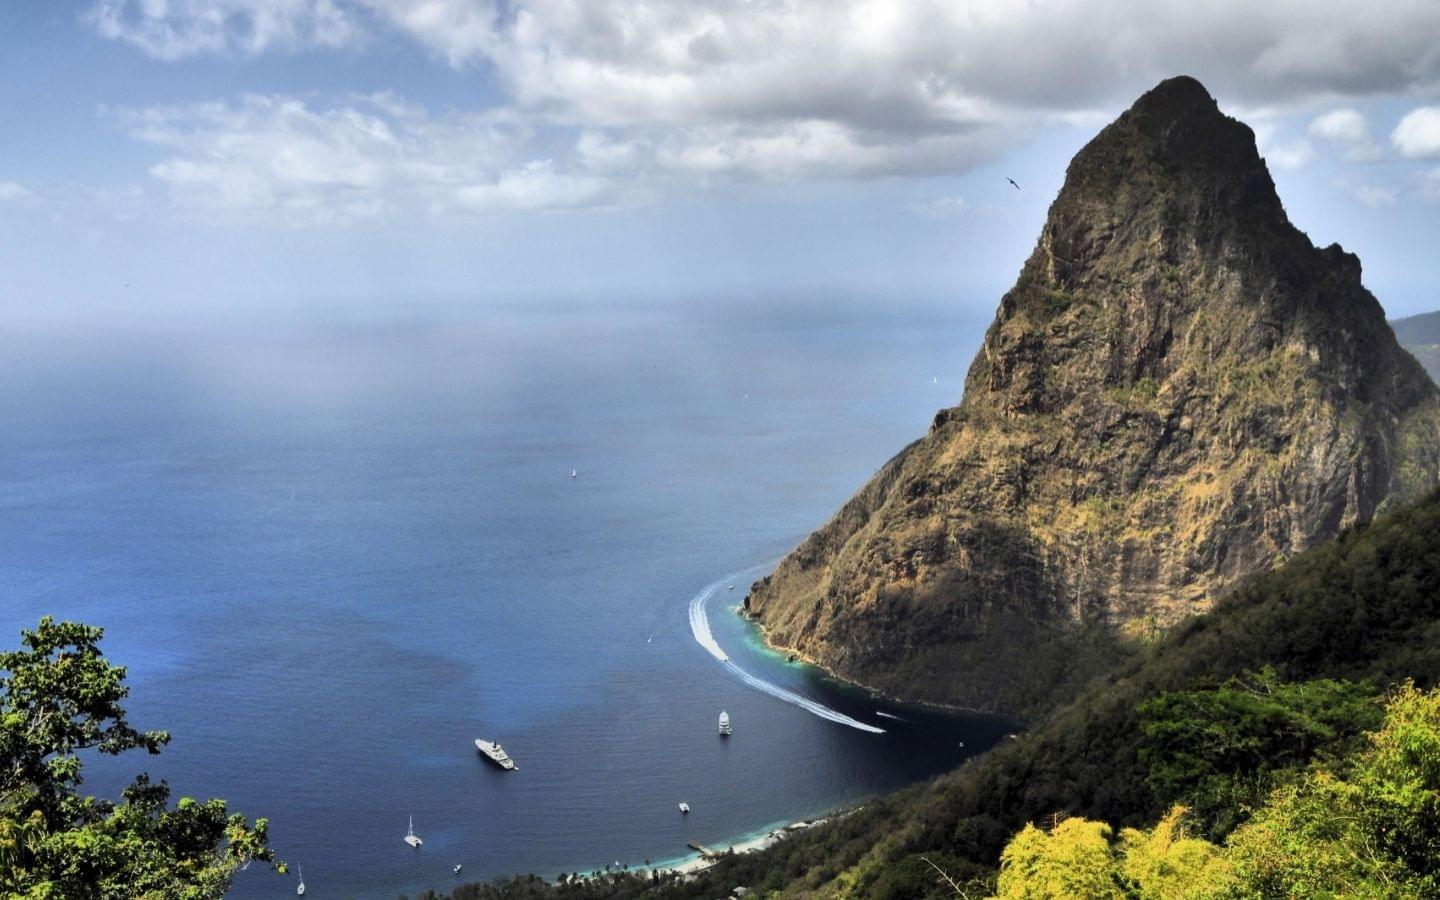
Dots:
{"x": 59, "y": 699}
{"x": 1421, "y": 336}
{"x": 1179, "y": 391}
{"x": 1220, "y": 751}
{"x": 1364, "y": 825}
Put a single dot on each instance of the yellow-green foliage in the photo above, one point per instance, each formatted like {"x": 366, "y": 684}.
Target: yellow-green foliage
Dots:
{"x": 1165, "y": 863}
{"x": 1369, "y": 829}
{"x": 1074, "y": 859}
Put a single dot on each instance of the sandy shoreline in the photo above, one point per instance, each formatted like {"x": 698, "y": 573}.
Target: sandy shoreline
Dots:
{"x": 698, "y": 862}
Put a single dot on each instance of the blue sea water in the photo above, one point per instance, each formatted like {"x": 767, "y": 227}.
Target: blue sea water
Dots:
{"x": 334, "y": 549}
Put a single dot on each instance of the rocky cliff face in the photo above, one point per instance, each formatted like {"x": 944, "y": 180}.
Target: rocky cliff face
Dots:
{"x": 1179, "y": 390}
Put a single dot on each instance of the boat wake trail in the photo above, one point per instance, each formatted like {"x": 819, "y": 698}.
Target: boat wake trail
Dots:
{"x": 700, "y": 627}
{"x": 700, "y": 622}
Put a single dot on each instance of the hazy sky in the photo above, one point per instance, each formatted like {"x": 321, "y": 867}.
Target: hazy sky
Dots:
{"x": 169, "y": 155}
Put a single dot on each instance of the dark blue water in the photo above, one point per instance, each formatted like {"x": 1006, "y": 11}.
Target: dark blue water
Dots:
{"x": 334, "y": 550}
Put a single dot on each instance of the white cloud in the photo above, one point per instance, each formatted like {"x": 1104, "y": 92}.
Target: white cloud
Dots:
{"x": 768, "y": 89}
{"x": 462, "y": 31}
{"x": 932, "y": 60}
{"x": 1292, "y": 155}
{"x": 1418, "y": 134}
{"x": 310, "y": 163}
{"x": 1347, "y": 130}
{"x": 1345, "y": 125}
{"x": 175, "y": 29}
{"x": 9, "y": 190}
{"x": 1279, "y": 151}
{"x": 536, "y": 185}
{"x": 459, "y": 30}
{"x": 788, "y": 150}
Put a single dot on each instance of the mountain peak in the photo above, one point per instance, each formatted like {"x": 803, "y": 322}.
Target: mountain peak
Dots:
{"x": 1175, "y": 148}
{"x": 1177, "y": 97}
{"x": 1179, "y": 390}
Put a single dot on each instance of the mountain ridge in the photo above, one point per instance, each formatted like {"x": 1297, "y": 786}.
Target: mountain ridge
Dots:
{"x": 1420, "y": 334}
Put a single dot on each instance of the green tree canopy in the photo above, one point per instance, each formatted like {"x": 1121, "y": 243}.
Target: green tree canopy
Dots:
{"x": 59, "y": 698}
{"x": 1223, "y": 750}
{"x": 1364, "y": 826}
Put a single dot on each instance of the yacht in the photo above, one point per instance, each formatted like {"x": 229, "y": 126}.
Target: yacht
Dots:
{"x": 492, "y": 751}
{"x": 411, "y": 837}
{"x": 684, "y": 807}
{"x": 724, "y": 723}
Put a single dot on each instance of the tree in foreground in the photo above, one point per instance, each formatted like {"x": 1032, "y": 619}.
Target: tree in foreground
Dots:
{"x": 1364, "y": 826}
{"x": 59, "y": 698}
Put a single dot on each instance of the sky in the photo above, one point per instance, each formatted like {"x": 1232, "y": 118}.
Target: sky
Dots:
{"x": 173, "y": 158}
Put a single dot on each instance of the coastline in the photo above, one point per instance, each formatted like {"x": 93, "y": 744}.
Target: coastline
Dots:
{"x": 697, "y": 862}
{"x": 877, "y": 693}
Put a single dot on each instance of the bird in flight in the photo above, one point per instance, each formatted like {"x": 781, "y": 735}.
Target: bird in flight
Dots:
{"x": 1012, "y": 181}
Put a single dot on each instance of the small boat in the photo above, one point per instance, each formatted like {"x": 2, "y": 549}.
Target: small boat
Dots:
{"x": 574, "y": 473}
{"x": 732, "y": 587}
{"x": 300, "y": 888}
{"x": 492, "y": 751}
{"x": 411, "y": 837}
{"x": 684, "y": 808}
{"x": 456, "y": 870}
{"x": 724, "y": 723}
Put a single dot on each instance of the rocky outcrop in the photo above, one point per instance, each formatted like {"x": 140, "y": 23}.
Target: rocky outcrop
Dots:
{"x": 1179, "y": 390}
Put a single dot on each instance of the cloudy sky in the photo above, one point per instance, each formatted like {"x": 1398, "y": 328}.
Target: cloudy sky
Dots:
{"x": 174, "y": 155}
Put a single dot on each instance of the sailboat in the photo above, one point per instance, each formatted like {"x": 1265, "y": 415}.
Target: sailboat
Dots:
{"x": 411, "y": 837}
{"x": 300, "y": 888}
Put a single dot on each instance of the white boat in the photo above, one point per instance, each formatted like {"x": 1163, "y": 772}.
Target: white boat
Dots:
{"x": 456, "y": 870}
{"x": 574, "y": 473}
{"x": 492, "y": 751}
{"x": 724, "y": 723}
{"x": 300, "y": 888}
{"x": 411, "y": 837}
{"x": 684, "y": 807}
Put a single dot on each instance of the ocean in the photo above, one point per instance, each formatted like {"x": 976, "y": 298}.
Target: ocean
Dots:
{"x": 334, "y": 548}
